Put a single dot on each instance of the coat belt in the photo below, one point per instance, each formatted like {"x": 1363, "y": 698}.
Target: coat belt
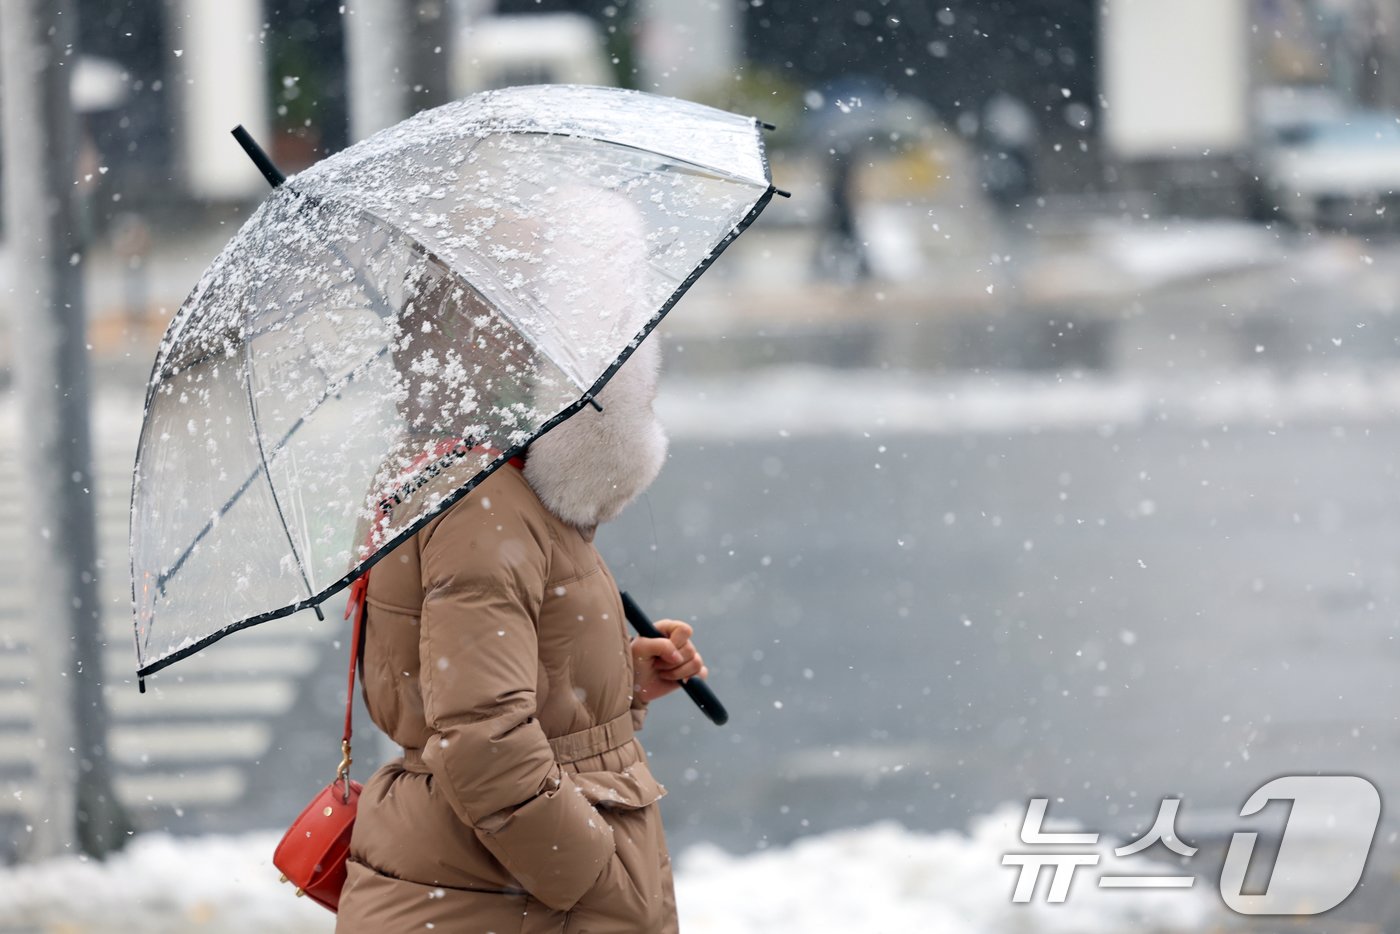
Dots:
{"x": 571, "y": 747}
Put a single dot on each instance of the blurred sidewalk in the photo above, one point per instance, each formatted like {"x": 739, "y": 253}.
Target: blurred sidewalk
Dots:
{"x": 971, "y": 289}
{"x": 954, "y": 289}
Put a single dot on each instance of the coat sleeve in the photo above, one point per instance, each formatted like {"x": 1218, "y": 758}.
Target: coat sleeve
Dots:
{"x": 484, "y": 575}
{"x": 639, "y": 713}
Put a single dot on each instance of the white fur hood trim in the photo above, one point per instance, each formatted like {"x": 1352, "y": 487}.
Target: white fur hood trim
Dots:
{"x": 587, "y": 469}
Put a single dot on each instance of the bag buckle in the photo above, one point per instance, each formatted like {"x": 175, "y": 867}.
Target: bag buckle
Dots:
{"x": 342, "y": 771}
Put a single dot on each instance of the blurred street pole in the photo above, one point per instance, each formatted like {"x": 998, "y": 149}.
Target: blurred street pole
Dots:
{"x": 430, "y": 52}
{"x": 222, "y": 75}
{"x": 73, "y": 806}
{"x": 377, "y": 34}
{"x": 399, "y": 57}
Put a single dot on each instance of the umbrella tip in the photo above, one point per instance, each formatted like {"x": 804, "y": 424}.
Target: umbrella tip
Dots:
{"x": 782, "y": 194}
{"x": 767, "y": 126}
{"x": 262, "y": 160}
{"x": 141, "y": 685}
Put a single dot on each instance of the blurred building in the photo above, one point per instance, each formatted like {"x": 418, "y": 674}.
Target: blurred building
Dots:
{"x": 968, "y": 59}
{"x": 1203, "y": 100}
{"x": 1103, "y": 94}
{"x": 193, "y": 70}
{"x": 306, "y": 77}
{"x": 1351, "y": 47}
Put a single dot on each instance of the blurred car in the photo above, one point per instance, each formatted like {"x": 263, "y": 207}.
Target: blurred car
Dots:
{"x": 530, "y": 48}
{"x": 1338, "y": 171}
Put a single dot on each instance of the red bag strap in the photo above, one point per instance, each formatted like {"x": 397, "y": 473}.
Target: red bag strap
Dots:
{"x": 359, "y": 596}
{"x": 359, "y": 591}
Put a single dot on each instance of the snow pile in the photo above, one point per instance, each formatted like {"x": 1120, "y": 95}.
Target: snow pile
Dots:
{"x": 879, "y": 878}
{"x": 885, "y": 878}
{"x": 1157, "y": 256}
{"x": 163, "y": 885}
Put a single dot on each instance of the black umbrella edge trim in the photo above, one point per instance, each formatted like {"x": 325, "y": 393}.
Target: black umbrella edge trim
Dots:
{"x": 448, "y": 502}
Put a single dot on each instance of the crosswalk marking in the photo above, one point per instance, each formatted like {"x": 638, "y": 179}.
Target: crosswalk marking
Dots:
{"x": 195, "y": 742}
{"x": 117, "y": 629}
{"x": 133, "y": 745}
{"x": 190, "y": 788}
{"x": 265, "y": 696}
{"x": 16, "y": 704}
{"x": 195, "y": 736}
{"x": 119, "y": 661}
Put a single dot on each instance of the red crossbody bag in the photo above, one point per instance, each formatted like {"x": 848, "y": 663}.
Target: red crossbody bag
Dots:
{"x": 313, "y": 852}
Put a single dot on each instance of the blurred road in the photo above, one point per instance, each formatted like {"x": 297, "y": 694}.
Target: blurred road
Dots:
{"x": 922, "y": 627}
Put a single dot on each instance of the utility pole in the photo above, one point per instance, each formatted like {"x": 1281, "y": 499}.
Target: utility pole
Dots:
{"x": 222, "y": 83}
{"x": 430, "y": 41}
{"x": 377, "y": 40}
{"x": 398, "y": 56}
{"x": 73, "y": 806}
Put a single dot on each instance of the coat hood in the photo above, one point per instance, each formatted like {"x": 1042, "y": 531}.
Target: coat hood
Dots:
{"x": 587, "y": 469}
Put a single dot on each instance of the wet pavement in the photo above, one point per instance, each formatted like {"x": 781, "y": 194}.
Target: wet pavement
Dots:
{"x": 922, "y": 628}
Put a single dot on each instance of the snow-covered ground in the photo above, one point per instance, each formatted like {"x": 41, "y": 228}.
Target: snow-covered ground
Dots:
{"x": 800, "y": 401}
{"x": 867, "y": 880}
{"x": 808, "y": 401}
{"x": 1154, "y": 255}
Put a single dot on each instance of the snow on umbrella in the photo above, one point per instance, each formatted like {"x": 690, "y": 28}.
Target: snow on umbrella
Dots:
{"x": 397, "y": 321}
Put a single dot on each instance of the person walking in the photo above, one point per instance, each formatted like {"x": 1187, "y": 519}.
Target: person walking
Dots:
{"x": 496, "y": 654}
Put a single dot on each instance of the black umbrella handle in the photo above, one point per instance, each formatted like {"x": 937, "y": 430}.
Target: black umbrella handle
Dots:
{"x": 698, "y": 690}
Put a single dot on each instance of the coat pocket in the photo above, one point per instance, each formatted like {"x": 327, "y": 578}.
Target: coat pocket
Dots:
{"x": 634, "y": 893}
{"x": 627, "y": 789}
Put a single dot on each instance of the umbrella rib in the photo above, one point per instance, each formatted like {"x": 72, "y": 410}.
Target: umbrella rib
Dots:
{"x": 681, "y": 160}
{"x": 477, "y": 281}
{"x": 267, "y": 470}
{"x": 703, "y": 166}
{"x": 164, "y": 578}
{"x": 374, "y": 295}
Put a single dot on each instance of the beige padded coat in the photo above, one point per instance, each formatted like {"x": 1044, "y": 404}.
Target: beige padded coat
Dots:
{"x": 496, "y": 654}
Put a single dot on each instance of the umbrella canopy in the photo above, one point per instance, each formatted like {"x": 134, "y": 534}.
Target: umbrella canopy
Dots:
{"x": 856, "y": 113}
{"x": 396, "y": 322}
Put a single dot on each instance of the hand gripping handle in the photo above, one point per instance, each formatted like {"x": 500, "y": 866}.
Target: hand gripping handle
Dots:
{"x": 698, "y": 690}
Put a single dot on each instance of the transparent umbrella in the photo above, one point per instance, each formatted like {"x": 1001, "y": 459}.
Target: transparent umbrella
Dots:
{"x": 396, "y": 322}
